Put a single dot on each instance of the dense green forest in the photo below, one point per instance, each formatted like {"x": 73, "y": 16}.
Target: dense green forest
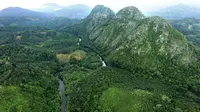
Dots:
{"x": 33, "y": 51}
{"x": 190, "y": 27}
{"x": 31, "y": 54}
{"x": 28, "y": 63}
{"x": 52, "y": 23}
{"x": 138, "y": 82}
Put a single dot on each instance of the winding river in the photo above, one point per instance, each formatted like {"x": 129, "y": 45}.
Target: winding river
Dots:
{"x": 62, "y": 94}
{"x": 101, "y": 59}
{"x": 61, "y": 88}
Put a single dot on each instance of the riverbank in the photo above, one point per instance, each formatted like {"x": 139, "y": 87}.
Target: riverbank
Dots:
{"x": 62, "y": 94}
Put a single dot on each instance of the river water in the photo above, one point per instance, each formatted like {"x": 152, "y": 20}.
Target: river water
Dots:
{"x": 102, "y": 61}
{"x": 62, "y": 94}
{"x": 61, "y": 88}
{"x": 79, "y": 40}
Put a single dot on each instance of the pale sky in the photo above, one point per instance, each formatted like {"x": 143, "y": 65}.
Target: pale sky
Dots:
{"x": 115, "y": 5}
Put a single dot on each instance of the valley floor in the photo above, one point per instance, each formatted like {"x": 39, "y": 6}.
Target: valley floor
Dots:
{"x": 31, "y": 57}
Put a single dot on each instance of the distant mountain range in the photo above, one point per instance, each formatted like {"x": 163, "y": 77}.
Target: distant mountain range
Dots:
{"x": 49, "y": 10}
{"x": 179, "y": 11}
{"x": 72, "y": 11}
{"x": 80, "y": 11}
{"x": 20, "y": 12}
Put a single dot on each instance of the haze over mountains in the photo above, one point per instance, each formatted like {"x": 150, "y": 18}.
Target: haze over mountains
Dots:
{"x": 49, "y": 10}
{"x": 17, "y": 11}
{"x": 72, "y": 11}
{"x": 179, "y": 11}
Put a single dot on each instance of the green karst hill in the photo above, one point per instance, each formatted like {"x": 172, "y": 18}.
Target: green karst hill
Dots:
{"x": 152, "y": 68}
{"x": 109, "y": 62}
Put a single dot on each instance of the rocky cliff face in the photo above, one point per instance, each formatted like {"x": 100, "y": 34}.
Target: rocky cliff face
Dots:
{"x": 132, "y": 40}
{"x": 129, "y": 13}
{"x": 98, "y": 17}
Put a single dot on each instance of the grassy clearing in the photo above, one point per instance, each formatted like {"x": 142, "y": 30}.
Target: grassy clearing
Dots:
{"x": 63, "y": 57}
{"x": 78, "y": 55}
{"x": 18, "y": 37}
{"x": 44, "y": 33}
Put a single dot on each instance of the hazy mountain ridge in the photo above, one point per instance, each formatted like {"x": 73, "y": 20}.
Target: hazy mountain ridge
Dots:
{"x": 17, "y": 11}
{"x": 49, "y": 8}
{"x": 71, "y": 11}
{"x": 77, "y": 11}
{"x": 179, "y": 11}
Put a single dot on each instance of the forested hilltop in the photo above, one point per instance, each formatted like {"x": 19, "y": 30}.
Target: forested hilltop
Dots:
{"x": 123, "y": 62}
{"x": 190, "y": 27}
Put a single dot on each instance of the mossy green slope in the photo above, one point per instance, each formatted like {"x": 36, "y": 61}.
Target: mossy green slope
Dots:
{"x": 146, "y": 42}
{"x": 154, "y": 60}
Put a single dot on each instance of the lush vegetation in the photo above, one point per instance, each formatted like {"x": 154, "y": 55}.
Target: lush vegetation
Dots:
{"x": 163, "y": 77}
{"x": 53, "y": 23}
{"x": 29, "y": 73}
{"x": 33, "y": 52}
{"x": 28, "y": 65}
{"x": 190, "y": 27}
{"x": 107, "y": 89}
